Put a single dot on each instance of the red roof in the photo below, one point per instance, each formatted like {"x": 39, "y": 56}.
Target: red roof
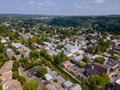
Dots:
{"x": 66, "y": 64}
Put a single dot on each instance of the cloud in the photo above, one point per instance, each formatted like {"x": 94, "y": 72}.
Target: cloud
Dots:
{"x": 81, "y": 6}
{"x": 99, "y": 1}
{"x": 40, "y": 3}
{"x": 31, "y": 2}
{"x": 50, "y": 3}
{"x": 44, "y": 3}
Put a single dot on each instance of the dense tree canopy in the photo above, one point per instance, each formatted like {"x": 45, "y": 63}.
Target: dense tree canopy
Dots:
{"x": 41, "y": 72}
{"x": 99, "y": 59}
{"x": 31, "y": 85}
{"x": 95, "y": 82}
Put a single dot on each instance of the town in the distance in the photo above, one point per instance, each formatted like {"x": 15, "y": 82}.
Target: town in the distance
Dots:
{"x": 40, "y": 52}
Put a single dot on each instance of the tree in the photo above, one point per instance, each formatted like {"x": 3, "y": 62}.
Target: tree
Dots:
{"x": 115, "y": 57}
{"x": 99, "y": 59}
{"x": 16, "y": 65}
{"x": 91, "y": 49}
{"x": 59, "y": 58}
{"x": 86, "y": 59}
{"x": 96, "y": 82}
{"x": 34, "y": 54}
{"x": 41, "y": 72}
{"x": 1, "y": 87}
{"x": 44, "y": 54}
{"x": 21, "y": 79}
{"x": 98, "y": 49}
{"x": 33, "y": 39}
{"x": 2, "y": 48}
{"x": 45, "y": 88}
{"x": 31, "y": 85}
{"x": 55, "y": 80}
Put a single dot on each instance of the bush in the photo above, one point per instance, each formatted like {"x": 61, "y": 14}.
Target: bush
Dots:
{"x": 55, "y": 80}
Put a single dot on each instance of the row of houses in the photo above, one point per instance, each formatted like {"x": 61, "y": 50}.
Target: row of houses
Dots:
{"x": 6, "y": 77}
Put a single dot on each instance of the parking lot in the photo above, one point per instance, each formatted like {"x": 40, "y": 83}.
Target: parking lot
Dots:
{"x": 58, "y": 77}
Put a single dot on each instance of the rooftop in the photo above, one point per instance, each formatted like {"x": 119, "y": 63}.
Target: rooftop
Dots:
{"x": 75, "y": 87}
{"x": 66, "y": 64}
{"x": 77, "y": 58}
{"x": 111, "y": 63}
{"x": 116, "y": 48}
{"x": 118, "y": 81}
{"x": 16, "y": 45}
{"x": 101, "y": 65}
{"x": 12, "y": 85}
{"x": 6, "y": 67}
{"x": 48, "y": 77}
{"x": 67, "y": 84}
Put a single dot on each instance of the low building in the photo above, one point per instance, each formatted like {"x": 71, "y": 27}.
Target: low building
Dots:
{"x": 12, "y": 85}
{"x": 66, "y": 64}
{"x": 52, "y": 52}
{"x": 116, "y": 48}
{"x": 47, "y": 44}
{"x": 10, "y": 52}
{"x": 112, "y": 64}
{"x": 6, "y": 77}
{"x": 67, "y": 84}
{"x": 16, "y": 45}
{"x": 70, "y": 86}
{"x": 48, "y": 77}
{"x": 117, "y": 84}
{"x": 101, "y": 68}
{"x": 24, "y": 50}
{"x": 6, "y": 72}
{"x": 77, "y": 58}
{"x": 36, "y": 45}
{"x": 4, "y": 41}
{"x": 71, "y": 49}
{"x": 75, "y": 87}
{"x": 67, "y": 54}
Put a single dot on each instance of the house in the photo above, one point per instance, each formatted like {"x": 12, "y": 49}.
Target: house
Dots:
{"x": 114, "y": 42}
{"x": 70, "y": 86}
{"x": 117, "y": 84}
{"x": 67, "y": 54}
{"x": 71, "y": 49}
{"x": 48, "y": 77}
{"x": 101, "y": 68}
{"x": 52, "y": 52}
{"x": 16, "y": 45}
{"x": 6, "y": 77}
{"x": 67, "y": 84}
{"x": 66, "y": 64}
{"x": 3, "y": 41}
{"x": 47, "y": 44}
{"x": 24, "y": 50}
{"x": 116, "y": 48}
{"x": 89, "y": 72}
{"x": 10, "y": 52}
{"x": 77, "y": 58}
{"x": 75, "y": 87}
{"x": 112, "y": 64}
{"x": 6, "y": 72}
{"x": 36, "y": 45}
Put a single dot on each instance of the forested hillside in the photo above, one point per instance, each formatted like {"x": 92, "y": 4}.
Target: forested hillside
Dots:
{"x": 101, "y": 23}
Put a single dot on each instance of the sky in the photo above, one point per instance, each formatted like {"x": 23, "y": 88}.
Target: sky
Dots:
{"x": 60, "y": 7}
